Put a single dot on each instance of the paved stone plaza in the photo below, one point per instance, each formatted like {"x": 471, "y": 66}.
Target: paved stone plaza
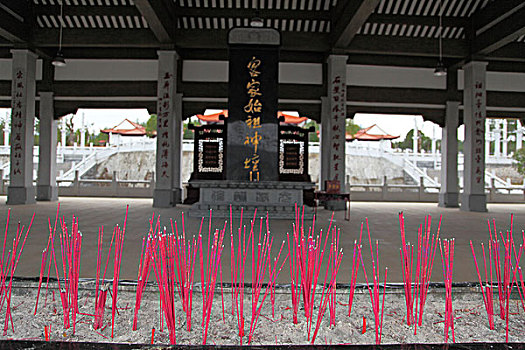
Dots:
{"x": 383, "y": 219}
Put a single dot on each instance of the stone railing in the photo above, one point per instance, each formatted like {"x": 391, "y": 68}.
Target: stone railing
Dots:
{"x": 422, "y": 193}
{"x": 358, "y": 192}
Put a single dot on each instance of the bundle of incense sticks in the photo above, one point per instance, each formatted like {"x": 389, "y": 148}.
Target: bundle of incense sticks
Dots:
{"x": 70, "y": 254}
{"x": 334, "y": 269}
{"x": 354, "y": 271}
{"x": 210, "y": 278}
{"x": 70, "y": 248}
{"x": 516, "y": 270}
{"x": 101, "y": 291}
{"x": 306, "y": 256}
{"x": 185, "y": 256}
{"x": 8, "y": 267}
{"x": 416, "y": 282}
{"x": 486, "y": 290}
{"x": 164, "y": 265}
{"x": 427, "y": 248}
{"x": 273, "y": 274}
{"x": 374, "y": 291}
{"x": 406, "y": 253}
{"x": 508, "y": 276}
{"x": 238, "y": 263}
{"x": 259, "y": 265}
{"x": 521, "y": 288}
{"x": 119, "y": 247}
{"x": 46, "y": 257}
{"x": 446, "y": 249}
{"x": 328, "y": 295}
{"x": 146, "y": 257}
{"x": 260, "y": 262}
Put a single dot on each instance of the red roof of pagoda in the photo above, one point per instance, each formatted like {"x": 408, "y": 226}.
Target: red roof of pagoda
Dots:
{"x": 366, "y": 135}
{"x": 214, "y": 118}
{"x": 127, "y": 128}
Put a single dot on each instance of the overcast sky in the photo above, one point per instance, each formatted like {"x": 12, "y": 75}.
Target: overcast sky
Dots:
{"x": 399, "y": 125}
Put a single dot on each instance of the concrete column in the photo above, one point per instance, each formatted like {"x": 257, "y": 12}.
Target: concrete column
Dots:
{"x": 415, "y": 138}
{"x": 474, "y": 102}
{"x": 519, "y": 135}
{"x": 46, "y": 189}
{"x": 324, "y": 133}
{"x": 448, "y": 194}
{"x": 337, "y": 113}
{"x": 497, "y": 139}
{"x": 177, "y": 150}
{"x": 434, "y": 141}
{"x": 63, "y": 131}
{"x": 6, "y": 130}
{"x": 83, "y": 133}
{"x": 166, "y": 109}
{"x": 487, "y": 140}
{"x": 83, "y": 138}
{"x": 505, "y": 138}
{"x": 21, "y": 189}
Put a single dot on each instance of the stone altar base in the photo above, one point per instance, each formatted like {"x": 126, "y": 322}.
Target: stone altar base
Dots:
{"x": 277, "y": 198}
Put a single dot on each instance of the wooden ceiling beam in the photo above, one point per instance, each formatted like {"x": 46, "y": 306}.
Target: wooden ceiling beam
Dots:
{"x": 501, "y": 34}
{"x": 97, "y": 38}
{"x": 79, "y": 10}
{"x": 354, "y": 14}
{"x": 249, "y": 13}
{"x": 448, "y": 21}
{"x": 493, "y": 13}
{"x": 13, "y": 27}
{"x": 405, "y": 46}
{"x": 161, "y": 18}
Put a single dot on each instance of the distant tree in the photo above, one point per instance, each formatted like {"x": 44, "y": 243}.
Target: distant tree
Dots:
{"x": 424, "y": 142}
{"x": 151, "y": 125}
{"x": 71, "y": 137}
{"x": 36, "y": 140}
{"x": 519, "y": 157}
{"x": 101, "y": 139}
{"x": 313, "y": 136}
{"x": 186, "y": 132}
{"x": 351, "y": 127}
{"x": 2, "y": 129}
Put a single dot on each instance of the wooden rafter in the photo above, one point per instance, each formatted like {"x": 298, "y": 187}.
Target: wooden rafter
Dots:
{"x": 160, "y": 16}
{"x": 353, "y": 15}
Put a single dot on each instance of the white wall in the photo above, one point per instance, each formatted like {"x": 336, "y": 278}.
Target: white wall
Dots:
{"x": 5, "y": 69}
{"x": 289, "y": 73}
{"x": 108, "y": 70}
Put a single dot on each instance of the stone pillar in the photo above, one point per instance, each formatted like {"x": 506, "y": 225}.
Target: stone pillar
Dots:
{"x": 415, "y": 138}
{"x": 46, "y": 184}
{"x": 474, "y": 102}
{"x": 448, "y": 194}
{"x": 505, "y": 137}
{"x": 336, "y": 84}
{"x": 83, "y": 133}
{"x": 6, "y": 132}
{"x": 63, "y": 131}
{"x": 434, "y": 140}
{"x": 166, "y": 110}
{"x": 324, "y": 133}
{"x": 177, "y": 150}
{"x": 490, "y": 137}
{"x": 21, "y": 189}
{"x": 497, "y": 139}
{"x": 519, "y": 135}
